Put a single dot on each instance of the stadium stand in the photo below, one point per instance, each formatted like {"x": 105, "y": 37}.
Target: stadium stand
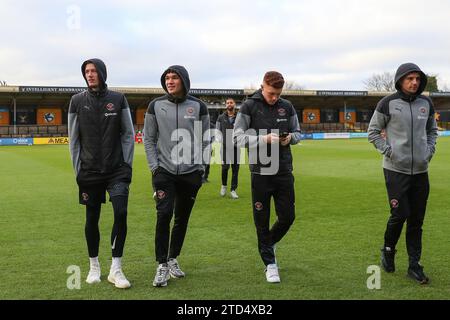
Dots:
{"x": 42, "y": 111}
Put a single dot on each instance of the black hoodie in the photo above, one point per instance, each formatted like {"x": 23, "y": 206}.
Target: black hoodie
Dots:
{"x": 100, "y": 128}
{"x": 257, "y": 118}
{"x": 101, "y": 71}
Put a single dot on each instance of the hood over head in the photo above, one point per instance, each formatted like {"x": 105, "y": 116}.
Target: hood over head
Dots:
{"x": 101, "y": 71}
{"x": 182, "y": 73}
{"x": 406, "y": 69}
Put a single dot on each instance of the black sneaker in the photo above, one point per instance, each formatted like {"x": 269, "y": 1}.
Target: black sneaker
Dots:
{"x": 416, "y": 272}
{"x": 387, "y": 259}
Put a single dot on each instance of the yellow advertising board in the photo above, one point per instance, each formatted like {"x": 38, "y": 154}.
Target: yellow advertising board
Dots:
{"x": 51, "y": 141}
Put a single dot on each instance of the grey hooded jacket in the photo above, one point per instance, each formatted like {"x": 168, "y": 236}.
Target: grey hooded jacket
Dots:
{"x": 176, "y": 130}
{"x": 410, "y": 126}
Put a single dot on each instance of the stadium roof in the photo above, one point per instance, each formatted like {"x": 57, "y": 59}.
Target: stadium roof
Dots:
{"x": 140, "y": 97}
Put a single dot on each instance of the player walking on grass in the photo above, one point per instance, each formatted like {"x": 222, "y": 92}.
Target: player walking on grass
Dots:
{"x": 229, "y": 152}
{"x": 176, "y": 141}
{"x": 407, "y": 117}
{"x": 269, "y": 124}
{"x": 101, "y": 145}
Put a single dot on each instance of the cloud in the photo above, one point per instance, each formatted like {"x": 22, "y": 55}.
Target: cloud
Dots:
{"x": 319, "y": 44}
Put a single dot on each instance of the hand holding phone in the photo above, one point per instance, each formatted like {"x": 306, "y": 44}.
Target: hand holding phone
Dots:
{"x": 285, "y": 138}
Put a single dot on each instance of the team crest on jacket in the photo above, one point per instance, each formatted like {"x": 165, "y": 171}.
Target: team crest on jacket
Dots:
{"x": 110, "y": 106}
{"x": 85, "y": 196}
{"x": 259, "y": 206}
{"x": 160, "y": 194}
{"x": 394, "y": 203}
{"x": 282, "y": 112}
{"x": 423, "y": 110}
{"x": 190, "y": 113}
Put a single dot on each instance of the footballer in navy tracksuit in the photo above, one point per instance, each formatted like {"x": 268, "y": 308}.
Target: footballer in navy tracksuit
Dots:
{"x": 267, "y": 123}
{"x": 101, "y": 137}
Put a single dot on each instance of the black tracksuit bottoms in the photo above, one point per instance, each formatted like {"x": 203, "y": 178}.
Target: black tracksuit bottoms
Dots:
{"x": 230, "y": 157}
{"x": 408, "y": 195}
{"x": 281, "y": 188}
{"x": 92, "y": 193}
{"x": 175, "y": 195}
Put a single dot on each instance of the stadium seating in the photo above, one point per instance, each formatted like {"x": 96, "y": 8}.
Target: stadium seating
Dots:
{"x": 4, "y": 132}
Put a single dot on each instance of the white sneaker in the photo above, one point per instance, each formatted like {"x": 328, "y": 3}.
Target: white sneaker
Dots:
{"x": 272, "y": 275}
{"x": 234, "y": 195}
{"x": 174, "y": 269}
{"x": 117, "y": 278}
{"x": 162, "y": 275}
{"x": 94, "y": 274}
{"x": 223, "y": 191}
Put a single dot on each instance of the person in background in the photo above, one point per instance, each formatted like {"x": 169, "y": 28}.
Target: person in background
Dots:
{"x": 229, "y": 151}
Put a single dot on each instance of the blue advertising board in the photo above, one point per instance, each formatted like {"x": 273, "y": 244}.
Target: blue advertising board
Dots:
{"x": 16, "y": 142}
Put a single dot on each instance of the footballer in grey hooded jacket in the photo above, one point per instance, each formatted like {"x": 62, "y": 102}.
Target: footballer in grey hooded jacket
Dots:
{"x": 409, "y": 124}
{"x": 176, "y": 130}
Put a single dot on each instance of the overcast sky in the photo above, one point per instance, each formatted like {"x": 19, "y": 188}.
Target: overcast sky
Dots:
{"x": 223, "y": 43}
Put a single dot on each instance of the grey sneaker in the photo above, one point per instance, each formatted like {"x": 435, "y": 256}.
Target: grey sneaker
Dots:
{"x": 234, "y": 195}
{"x": 174, "y": 269}
{"x": 162, "y": 275}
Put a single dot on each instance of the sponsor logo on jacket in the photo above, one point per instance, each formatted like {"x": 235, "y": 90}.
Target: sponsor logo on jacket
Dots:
{"x": 110, "y": 107}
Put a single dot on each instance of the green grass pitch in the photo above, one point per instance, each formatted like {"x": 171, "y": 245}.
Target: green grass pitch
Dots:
{"x": 341, "y": 208}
